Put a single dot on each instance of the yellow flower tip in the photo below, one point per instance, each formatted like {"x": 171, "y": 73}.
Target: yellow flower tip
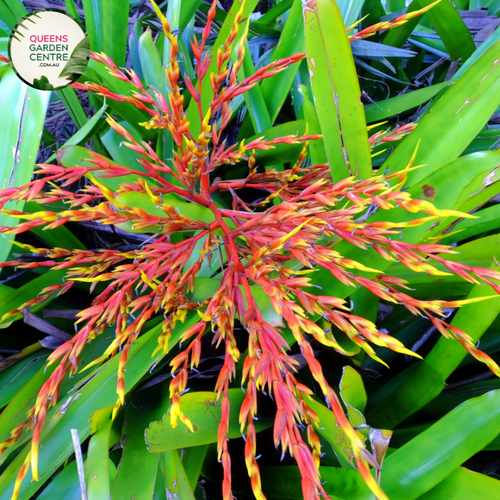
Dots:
{"x": 378, "y": 153}
{"x": 158, "y": 348}
{"x": 147, "y": 281}
{"x": 440, "y": 273}
{"x": 158, "y": 12}
{"x": 92, "y": 363}
{"x": 204, "y": 316}
{"x": 115, "y": 410}
{"x": 174, "y": 413}
{"x": 410, "y": 353}
{"x": 375, "y": 125}
{"x": 476, "y": 299}
{"x": 111, "y": 121}
{"x": 428, "y": 7}
{"x": 372, "y": 355}
{"x": 356, "y": 23}
{"x": 185, "y": 420}
{"x": 206, "y": 119}
{"x": 234, "y": 353}
{"x": 34, "y": 462}
{"x": 181, "y": 313}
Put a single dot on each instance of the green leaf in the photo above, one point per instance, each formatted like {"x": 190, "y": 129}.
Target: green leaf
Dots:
{"x": 23, "y": 110}
{"x": 254, "y": 99}
{"x": 464, "y": 484}
{"x": 17, "y": 8}
{"x": 72, "y": 104}
{"x": 478, "y": 53}
{"x": 137, "y": 470}
{"x": 185, "y": 61}
{"x": 133, "y": 46}
{"x": 350, "y": 10}
{"x": 107, "y": 26}
{"x": 469, "y": 200}
{"x": 65, "y": 485}
{"x": 352, "y": 389}
{"x": 459, "y": 116}
{"x": 151, "y": 64}
{"x": 29, "y": 291}
{"x": 276, "y": 88}
{"x": 14, "y": 378}
{"x": 409, "y": 472}
{"x": 86, "y": 132}
{"x": 381, "y": 110}
{"x": 100, "y": 471}
{"x": 189, "y": 8}
{"x": 395, "y": 5}
{"x": 336, "y": 91}
{"x": 470, "y": 175}
{"x": 71, "y": 8}
{"x": 15, "y": 412}
{"x": 121, "y": 154}
{"x": 192, "y": 462}
{"x": 176, "y": 480}
{"x": 204, "y": 412}
{"x": 279, "y": 9}
{"x": 6, "y": 15}
{"x": 5, "y": 290}
{"x": 316, "y": 148}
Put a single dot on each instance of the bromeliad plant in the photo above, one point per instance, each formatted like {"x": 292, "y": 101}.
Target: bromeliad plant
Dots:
{"x": 273, "y": 245}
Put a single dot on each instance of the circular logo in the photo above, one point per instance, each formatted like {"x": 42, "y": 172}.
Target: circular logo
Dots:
{"x": 48, "y": 50}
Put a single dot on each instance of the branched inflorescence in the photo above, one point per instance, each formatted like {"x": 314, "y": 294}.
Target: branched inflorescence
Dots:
{"x": 275, "y": 249}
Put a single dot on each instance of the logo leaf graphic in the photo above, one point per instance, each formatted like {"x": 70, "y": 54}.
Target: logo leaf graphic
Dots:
{"x": 78, "y": 60}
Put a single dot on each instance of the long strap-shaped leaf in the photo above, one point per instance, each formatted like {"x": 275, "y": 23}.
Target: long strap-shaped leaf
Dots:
{"x": 107, "y": 24}
{"x": 275, "y": 89}
{"x": 454, "y": 121}
{"x": 23, "y": 112}
{"x": 254, "y": 99}
{"x": 336, "y": 90}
